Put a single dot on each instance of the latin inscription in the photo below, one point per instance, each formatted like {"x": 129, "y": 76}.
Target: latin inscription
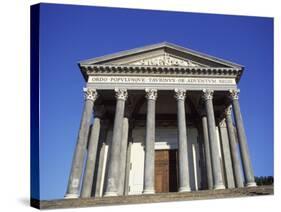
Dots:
{"x": 160, "y": 80}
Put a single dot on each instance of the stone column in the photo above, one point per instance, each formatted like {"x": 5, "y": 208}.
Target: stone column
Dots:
{"x": 244, "y": 152}
{"x": 78, "y": 158}
{"x": 228, "y": 167}
{"x": 98, "y": 187}
{"x": 91, "y": 159}
{"x": 207, "y": 152}
{"x": 88, "y": 177}
{"x": 184, "y": 185}
{"x": 128, "y": 160}
{"x": 216, "y": 167}
{"x": 202, "y": 162}
{"x": 114, "y": 160}
{"x": 123, "y": 156}
{"x": 151, "y": 95}
{"x": 238, "y": 177}
{"x": 98, "y": 175}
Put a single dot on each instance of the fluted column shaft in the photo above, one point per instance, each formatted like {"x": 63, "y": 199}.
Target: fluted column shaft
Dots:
{"x": 78, "y": 158}
{"x": 216, "y": 167}
{"x": 244, "y": 152}
{"x": 151, "y": 95}
{"x": 207, "y": 152}
{"x": 184, "y": 185}
{"x": 114, "y": 157}
{"x": 234, "y": 150}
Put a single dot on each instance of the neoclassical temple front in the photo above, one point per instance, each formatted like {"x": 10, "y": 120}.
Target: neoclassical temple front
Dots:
{"x": 160, "y": 118}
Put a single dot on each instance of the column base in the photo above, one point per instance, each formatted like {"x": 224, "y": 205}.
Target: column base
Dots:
{"x": 218, "y": 187}
{"x": 251, "y": 184}
{"x": 184, "y": 189}
{"x": 71, "y": 196}
{"x": 110, "y": 194}
{"x": 148, "y": 191}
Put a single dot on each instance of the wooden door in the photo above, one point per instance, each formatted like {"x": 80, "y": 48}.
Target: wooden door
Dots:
{"x": 166, "y": 177}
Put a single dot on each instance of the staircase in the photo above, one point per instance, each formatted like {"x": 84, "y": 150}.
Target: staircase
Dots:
{"x": 153, "y": 198}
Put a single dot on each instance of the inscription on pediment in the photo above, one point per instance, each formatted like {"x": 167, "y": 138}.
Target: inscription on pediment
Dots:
{"x": 165, "y": 60}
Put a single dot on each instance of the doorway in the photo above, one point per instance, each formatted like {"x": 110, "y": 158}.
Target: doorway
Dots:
{"x": 166, "y": 171}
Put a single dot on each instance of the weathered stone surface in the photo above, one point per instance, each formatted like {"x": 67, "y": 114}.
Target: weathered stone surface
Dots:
{"x": 148, "y": 185}
{"x": 244, "y": 151}
{"x": 214, "y": 148}
{"x": 91, "y": 159}
{"x": 207, "y": 152}
{"x": 234, "y": 150}
{"x": 228, "y": 164}
{"x": 184, "y": 185}
{"x": 123, "y": 156}
{"x": 114, "y": 162}
{"x": 153, "y": 198}
{"x": 80, "y": 149}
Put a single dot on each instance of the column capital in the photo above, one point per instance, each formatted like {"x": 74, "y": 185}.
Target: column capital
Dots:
{"x": 90, "y": 94}
{"x": 151, "y": 93}
{"x": 180, "y": 94}
{"x": 208, "y": 94}
{"x": 121, "y": 93}
{"x": 234, "y": 94}
{"x": 228, "y": 110}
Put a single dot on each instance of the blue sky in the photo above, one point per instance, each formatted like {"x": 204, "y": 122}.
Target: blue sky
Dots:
{"x": 72, "y": 33}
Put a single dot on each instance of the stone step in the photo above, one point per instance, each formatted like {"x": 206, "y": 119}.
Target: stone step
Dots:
{"x": 152, "y": 198}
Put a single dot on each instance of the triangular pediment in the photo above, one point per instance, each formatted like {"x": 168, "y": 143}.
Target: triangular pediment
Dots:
{"x": 162, "y": 54}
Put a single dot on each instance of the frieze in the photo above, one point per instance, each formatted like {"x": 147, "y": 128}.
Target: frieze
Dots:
{"x": 160, "y": 80}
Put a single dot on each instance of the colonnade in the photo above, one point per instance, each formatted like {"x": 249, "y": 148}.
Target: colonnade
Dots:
{"x": 117, "y": 154}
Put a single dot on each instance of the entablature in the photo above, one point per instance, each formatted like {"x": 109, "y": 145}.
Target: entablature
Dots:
{"x": 162, "y": 71}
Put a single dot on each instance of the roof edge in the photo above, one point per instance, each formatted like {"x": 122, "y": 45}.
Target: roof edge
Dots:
{"x": 157, "y": 46}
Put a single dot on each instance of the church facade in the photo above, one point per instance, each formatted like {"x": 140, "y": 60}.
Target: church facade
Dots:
{"x": 160, "y": 118}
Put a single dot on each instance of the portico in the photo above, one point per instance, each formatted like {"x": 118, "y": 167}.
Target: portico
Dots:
{"x": 159, "y": 119}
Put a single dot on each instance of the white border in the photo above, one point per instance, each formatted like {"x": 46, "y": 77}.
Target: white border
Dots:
{"x": 14, "y": 43}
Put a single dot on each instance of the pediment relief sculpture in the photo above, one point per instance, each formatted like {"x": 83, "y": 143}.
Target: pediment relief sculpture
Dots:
{"x": 164, "y": 60}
